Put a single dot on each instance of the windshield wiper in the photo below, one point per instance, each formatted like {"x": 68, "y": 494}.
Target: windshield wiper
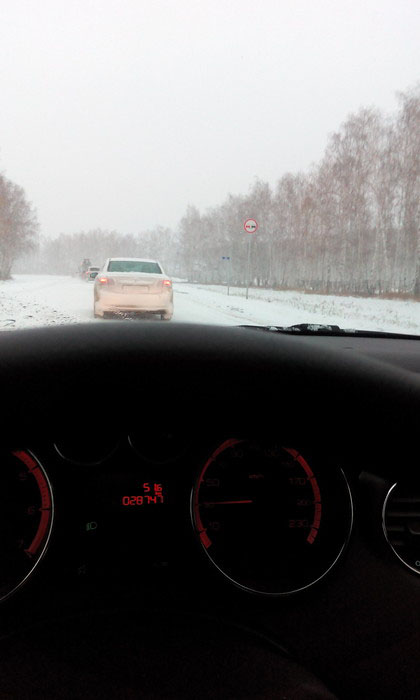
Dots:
{"x": 330, "y": 330}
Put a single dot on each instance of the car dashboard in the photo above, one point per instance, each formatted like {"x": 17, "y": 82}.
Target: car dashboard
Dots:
{"x": 191, "y": 511}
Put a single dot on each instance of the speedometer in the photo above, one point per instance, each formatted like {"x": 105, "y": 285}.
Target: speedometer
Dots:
{"x": 269, "y": 518}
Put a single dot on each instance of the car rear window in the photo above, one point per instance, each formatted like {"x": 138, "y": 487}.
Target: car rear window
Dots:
{"x": 134, "y": 266}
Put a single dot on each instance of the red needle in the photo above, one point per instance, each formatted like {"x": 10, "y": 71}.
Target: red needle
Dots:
{"x": 223, "y": 503}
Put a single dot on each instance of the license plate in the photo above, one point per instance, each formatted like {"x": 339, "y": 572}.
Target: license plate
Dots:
{"x": 135, "y": 288}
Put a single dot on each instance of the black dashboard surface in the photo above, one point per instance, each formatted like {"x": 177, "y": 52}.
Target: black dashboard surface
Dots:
{"x": 398, "y": 352}
{"x": 146, "y": 583}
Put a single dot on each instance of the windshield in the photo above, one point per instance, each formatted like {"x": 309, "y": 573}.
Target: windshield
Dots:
{"x": 134, "y": 266}
{"x": 267, "y": 156}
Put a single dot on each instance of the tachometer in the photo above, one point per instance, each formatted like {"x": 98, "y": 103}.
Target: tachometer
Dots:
{"x": 270, "y": 519}
{"x": 26, "y": 514}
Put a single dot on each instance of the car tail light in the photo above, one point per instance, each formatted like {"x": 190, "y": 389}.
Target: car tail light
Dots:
{"x": 105, "y": 281}
{"x": 167, "y": 283}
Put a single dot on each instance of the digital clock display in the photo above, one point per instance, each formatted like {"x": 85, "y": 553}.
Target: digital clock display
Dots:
{"x": 148, "y": 493}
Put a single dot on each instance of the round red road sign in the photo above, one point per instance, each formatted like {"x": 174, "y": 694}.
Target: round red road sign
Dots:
{"x": 250, "y": 225}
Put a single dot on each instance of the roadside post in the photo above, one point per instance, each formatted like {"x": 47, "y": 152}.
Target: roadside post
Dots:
{"x": 250, "y": 226}
{"x": 227, "y": 257}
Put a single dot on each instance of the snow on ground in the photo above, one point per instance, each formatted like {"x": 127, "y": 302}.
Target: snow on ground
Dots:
{"x": 44, "y": 300}
{"x": 270, "y": 307}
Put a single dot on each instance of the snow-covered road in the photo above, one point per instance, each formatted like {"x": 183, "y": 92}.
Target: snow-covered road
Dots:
{"x": 39, "y": 300}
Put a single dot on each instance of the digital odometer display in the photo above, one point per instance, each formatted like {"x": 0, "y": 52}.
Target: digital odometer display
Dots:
{"x": 147, "y": 494}
{"x": 271, "y": 519}
{"x": 26, "y": 513}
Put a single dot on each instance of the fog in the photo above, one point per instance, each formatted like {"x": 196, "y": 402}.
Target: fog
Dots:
{"x": 119, "y": 114}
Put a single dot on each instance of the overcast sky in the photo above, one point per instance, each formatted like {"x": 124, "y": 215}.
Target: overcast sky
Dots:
{"x": 119, "y": 113}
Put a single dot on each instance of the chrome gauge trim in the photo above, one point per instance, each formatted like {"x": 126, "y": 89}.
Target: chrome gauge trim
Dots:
{"x": 47, "y": 540}
{"x": 86, "y": 463}
{"x": 384, "y": 507}
{"x": 280, "y": 593}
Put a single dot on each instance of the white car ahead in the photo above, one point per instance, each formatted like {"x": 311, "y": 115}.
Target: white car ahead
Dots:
{"x": 126, "y": 285}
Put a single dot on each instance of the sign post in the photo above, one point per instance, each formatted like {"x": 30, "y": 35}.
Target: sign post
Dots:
{"x": 227, "y": 257}
{"x": 250, "y": 226}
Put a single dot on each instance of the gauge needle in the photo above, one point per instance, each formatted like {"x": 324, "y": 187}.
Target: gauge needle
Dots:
{"x": 223, "y": 503}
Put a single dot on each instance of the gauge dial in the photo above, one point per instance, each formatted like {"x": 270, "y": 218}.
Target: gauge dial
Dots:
{"x": 82, "y": 449}
{"x": 269, "y": 519}
{"x": 26, "y": 514}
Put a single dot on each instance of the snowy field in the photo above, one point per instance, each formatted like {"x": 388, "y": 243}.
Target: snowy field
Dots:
{"x": 44, "y": 300}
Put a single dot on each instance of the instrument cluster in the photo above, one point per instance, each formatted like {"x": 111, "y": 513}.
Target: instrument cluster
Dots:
{"x": 267, "y": 517}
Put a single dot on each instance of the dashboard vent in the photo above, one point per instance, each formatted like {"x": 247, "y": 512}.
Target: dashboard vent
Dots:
{"x": 401, "y": 523}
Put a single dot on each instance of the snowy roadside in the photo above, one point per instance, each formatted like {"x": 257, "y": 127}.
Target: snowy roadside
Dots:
{"x": 17, "y": 313}
{"x": 29, "y": 301}
{"x": 265, "y": 306}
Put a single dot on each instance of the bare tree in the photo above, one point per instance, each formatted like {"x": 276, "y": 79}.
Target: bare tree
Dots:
{"x": 18, "y": 225}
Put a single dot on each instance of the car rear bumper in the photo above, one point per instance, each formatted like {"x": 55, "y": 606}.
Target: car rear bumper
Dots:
{"x": 148, "y": 303}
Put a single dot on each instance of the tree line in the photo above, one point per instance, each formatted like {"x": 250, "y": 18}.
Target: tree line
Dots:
{"x": 63, "y": 255}
{"x": 351, "y": 225}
